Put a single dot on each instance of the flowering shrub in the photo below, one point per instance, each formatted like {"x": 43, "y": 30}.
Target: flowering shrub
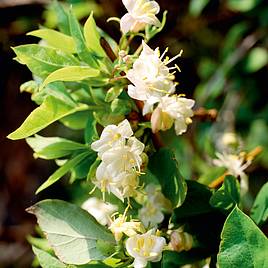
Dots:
{"x": 140, "y": 211}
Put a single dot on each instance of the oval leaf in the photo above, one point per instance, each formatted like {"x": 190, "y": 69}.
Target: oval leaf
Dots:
{"x": 243, "y": 244}
{"x": 92, "y": 36}
{"x": 71, "y": 231}
{"x": 53, "y": 147}
{"x": 43, "y": 60}
{"x": 48, "y": 112}
{"x": 56, "y": 39}
{"x": 72, "y": 73}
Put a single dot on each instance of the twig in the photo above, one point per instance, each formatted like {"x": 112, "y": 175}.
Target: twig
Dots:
{"x": 107, "y": 48}
{"x": 109, "y": 52}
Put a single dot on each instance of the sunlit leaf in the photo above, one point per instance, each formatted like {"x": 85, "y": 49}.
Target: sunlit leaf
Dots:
{"x": 43, "y": 60}
{"x": 50, "y": 111}
{"x": 71, "y": 73}
{"x": 71, "y": 231}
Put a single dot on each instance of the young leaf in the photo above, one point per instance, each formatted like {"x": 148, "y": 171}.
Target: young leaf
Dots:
{"x": 164, "y": 166}
{"x": 71, "y": 73}
{"x": 53, "y": 147}
{"x": 56, "y": 39}
{"x": 259, "y": 211}
{"x": 62, "y": 17}
{"x": 243, "y": 244}
{"x": 48, "y": 112}
{"x": 71, "y": 231}
{"x": 92, "y": 36}
{"x": 59, "y": 173}
{"x": 43, "y": 60}
{"x": 81, "y": 48}
{"x": 227, "y": 196}
{"x": 46, "y": 260}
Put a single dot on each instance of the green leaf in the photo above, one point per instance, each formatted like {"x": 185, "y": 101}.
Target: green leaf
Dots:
{"x": 71, "y": 73}
{"x": 196, "y": 201}
{"x": 256, "y": 59}
{"x": 92, "y": 36}
{"x": 62, "y": 18}
{"x": 227, "y": 196}
{"x": 164, "y": 166}
{"x": 77, "y": 120}
{"x": 243, "y": 244}
{"x": 71, "y": 231}
{"x": 177, "y": 259}
{"x": 259, "y": 211}
{"x": 56, "y": 39}
{"x": 46, "y": 260}
{"x": 43, "y": 60}
{"x": 49, "y": 111}
{"x": 81, "y": 48}
{"x": 53, "y": 147}
{"x": 59, "y": 173}
{"x": 196, "y": 7}
{"x": 91, "y": 133}
{"x": 199, "y": 218}
{"x": 81, "y": 170}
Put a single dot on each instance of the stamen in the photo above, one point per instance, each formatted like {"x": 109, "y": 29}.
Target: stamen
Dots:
{"x": 174, "y": 58}
{"x": 164, "y": 53}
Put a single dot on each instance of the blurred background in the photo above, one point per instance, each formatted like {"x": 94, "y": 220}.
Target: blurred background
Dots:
{"x": 224, "y": 66}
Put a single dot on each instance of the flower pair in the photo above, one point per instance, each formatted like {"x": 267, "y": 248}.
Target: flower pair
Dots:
{"x": 120, "y": 153}
{"x": 153, "y": 83}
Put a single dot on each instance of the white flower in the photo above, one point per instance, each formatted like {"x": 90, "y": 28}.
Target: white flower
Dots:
{"x": 145, "y": 248}
{"x": 120, "y": 226}
{"x": 155, "y": 196}
{"x": 235, "y": 165}
{"x": 150, "y": 77}
{"x": 121, "y": 184}
{"x": 100, "y": 210}
{"x": 140, "y": 13}
{"x": 150, "y": 214}
{"x": 172, "y": 109}
{"x": 111, "y": 136}
{"x": 125, "y": 157}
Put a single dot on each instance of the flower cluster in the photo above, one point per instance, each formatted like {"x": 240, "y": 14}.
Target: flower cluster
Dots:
{"x": 120, "y": 153}
{"x": 153, "y": 83}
